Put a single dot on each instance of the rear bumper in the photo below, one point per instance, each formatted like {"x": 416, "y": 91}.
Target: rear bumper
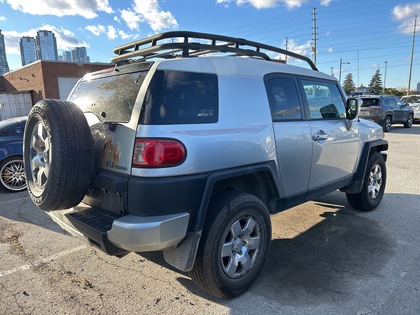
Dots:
{"x": 116, "y": 235}
{"x": 139, "y": 234}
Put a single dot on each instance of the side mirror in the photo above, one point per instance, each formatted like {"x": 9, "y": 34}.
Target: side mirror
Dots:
{"x": 353, "y": 107}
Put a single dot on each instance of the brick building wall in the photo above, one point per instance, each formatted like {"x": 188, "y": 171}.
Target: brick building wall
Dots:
{"x": 41, "y": 77}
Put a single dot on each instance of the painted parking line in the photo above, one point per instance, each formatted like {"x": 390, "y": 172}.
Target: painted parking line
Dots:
{"x": 42, "y": 261}
{"x": 13, "y": 200}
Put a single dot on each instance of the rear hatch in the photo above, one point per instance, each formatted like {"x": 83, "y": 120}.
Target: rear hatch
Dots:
{"x": 110, "y": 101}
{"x": 370, "y": 108}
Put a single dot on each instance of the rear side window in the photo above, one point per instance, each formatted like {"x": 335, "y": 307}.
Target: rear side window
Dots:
{"x": 284, "y": 99}
{"x": 177, "y": 97}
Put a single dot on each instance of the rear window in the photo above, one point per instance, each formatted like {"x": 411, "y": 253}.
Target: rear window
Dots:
{"x": 178, "y": 97}
{"x": 111, "y": 98}
{"x": 370, "y": 102}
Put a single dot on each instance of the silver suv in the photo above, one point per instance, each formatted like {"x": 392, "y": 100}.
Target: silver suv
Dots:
{"x": 414, "y": 102}
{"x": 181, "y": 149}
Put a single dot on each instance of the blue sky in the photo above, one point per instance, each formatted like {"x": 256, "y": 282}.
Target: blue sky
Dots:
{"x": 365, "y": 35}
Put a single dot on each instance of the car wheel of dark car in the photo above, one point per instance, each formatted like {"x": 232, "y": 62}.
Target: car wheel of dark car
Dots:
{"x": 373, "y": 185}
{"x": 234, "y": 245}
{"x": 409, "y": 122}
{"x": 12, "y": 174}
{"x": 58, "y": 154}
{"x": 387, "y": 123}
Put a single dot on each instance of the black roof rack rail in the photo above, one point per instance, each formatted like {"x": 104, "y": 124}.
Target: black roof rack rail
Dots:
{"x": 164, "y": 46}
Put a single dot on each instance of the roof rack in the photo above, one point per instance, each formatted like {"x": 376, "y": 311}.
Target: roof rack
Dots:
{"x": 170, "y": 45}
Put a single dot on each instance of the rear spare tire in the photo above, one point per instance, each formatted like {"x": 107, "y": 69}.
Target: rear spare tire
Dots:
{"x": 58, "y": 154}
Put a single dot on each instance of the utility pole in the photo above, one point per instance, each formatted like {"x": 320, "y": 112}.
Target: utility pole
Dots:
{"x": 314, "y": 34}
{"x": 386, "y": 63}
{"x": 341, "y": 63}
{"x": 412, "y": 53}
{"x": 287, "y": 43}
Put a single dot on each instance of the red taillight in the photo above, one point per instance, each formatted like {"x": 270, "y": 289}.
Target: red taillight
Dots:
{"x": 158, "y": 153}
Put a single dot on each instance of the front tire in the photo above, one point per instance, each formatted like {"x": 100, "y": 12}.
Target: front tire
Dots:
{"x": 234, "y": 246}
{"x": 58, "y": 154}
{"x": 409, "y": 122}
{"x": 374, "y": 183}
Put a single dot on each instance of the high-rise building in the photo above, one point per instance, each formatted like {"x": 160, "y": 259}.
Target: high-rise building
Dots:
{"x": 4, "y": 66}
{"x": 46, "y": 45}
{"x": 66, "y": 56}
{"x": 79, "y": 54}
{"x": 27, "y": 50}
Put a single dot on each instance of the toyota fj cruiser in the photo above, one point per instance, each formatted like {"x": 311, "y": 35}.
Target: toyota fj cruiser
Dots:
{"x": 182, "y": 149}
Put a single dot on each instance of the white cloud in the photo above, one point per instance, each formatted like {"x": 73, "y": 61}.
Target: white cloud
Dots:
{"x": 266, "y": 4}
{"x": 96, "y": 29}
{"x": 325, "y": 3}
{"x": 2, "y": 18}
{"x": 292, "y": 46}
{"x": 112, "y": 32}
{"x": 405, "y": 15}
{"x": 127, "y": 36}
{"x": 66, "y": 40}
{"x": 86, "y": 8}
{"x": 148, "y": 11}
{"x": 131, "y": 19}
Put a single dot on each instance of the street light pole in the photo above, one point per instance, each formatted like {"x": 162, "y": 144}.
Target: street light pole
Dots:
{"x": 383, "y": 91}
{"x": 412, "y": 53}
{"x": 341, "y": 63}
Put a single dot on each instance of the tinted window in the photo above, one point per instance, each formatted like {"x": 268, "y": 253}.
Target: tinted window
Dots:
{"x": 111, "y": 97}
{"x": 324, "y": 100}
{"x": 284, "y": 99}
{"x": 370, "y": 102}
{"x": 176, "y": 97}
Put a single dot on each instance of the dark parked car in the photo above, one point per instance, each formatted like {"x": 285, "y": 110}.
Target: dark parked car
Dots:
{"x": 386, "y": 110}
{"x": 12, "y": 174}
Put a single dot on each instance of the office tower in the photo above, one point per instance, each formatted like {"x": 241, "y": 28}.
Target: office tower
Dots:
{"x": 66, "y": 56}
{"x": 4, "y": 66}
{"x": 46, "y": 45}
{"x": 27, "y": 50}
{"x": 79, "y": 54}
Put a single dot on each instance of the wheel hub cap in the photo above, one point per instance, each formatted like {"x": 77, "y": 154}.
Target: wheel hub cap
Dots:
{"x": 241, "y": 247}
{"x": 40, "y": 146}
{"x": 375, "y": 181}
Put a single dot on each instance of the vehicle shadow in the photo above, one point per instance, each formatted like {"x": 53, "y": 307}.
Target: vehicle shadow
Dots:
{"x": 19, "y": 207}
{"x": 414, "y": 130}
{"x": 323, "y": 263}
{"x": 317, "y": 265}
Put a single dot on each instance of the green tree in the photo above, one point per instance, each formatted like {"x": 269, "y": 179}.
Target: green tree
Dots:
{"x": 375, "y": 84}
{"x": 348, "y": 84}
{"x": 394, "y": 91}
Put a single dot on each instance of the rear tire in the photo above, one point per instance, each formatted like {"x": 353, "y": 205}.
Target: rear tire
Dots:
{"x": 234, "y": 246}
{"x": 58, "y": 155}
{"x": 387, "y": 124}
{"x": 374, "y": 183}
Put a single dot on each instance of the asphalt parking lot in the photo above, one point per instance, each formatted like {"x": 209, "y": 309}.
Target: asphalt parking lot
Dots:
{"x": 326, "y": 258}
